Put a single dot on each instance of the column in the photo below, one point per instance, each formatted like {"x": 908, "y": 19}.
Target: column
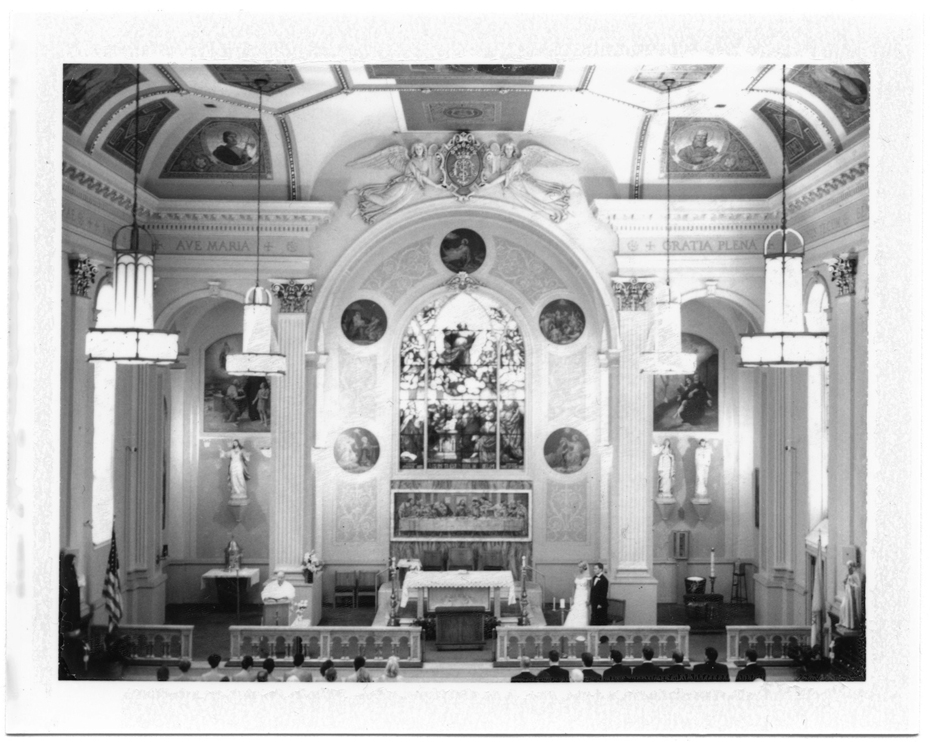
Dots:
{"x": 632, "y": 578}
{"x": 289, "y": 503}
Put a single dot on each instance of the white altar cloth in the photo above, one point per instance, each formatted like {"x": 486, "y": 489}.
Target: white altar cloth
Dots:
{"x": 491, "y": 579}
{"x": 251, "y": 574}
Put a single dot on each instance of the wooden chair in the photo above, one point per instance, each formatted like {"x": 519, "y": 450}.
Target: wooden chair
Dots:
{"x": 616, "y": 611}
{"x": 493, "y": 560}
{"x": 367, "y": 587}
{"x": 346, "y": 588}
{"x": 461, "y": 559}
{"x": 432, "y": 561}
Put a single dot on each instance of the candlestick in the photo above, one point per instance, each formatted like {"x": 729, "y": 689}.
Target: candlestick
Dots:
{"x": 553, "y": 602}
{"x": 562, "y": 603}
{"x": 524, "y": 562}
{"x": 712, "y": 574}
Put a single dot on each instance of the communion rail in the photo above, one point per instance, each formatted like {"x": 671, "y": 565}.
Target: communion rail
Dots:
{"x": 150, "y": 644}
{"x": 535, "y": 642}
{"x": 773, "y": 643}
{"x": 341, "y": 644}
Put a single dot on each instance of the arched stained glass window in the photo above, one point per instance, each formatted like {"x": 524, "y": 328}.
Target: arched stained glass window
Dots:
{"x": 462, "y": 387}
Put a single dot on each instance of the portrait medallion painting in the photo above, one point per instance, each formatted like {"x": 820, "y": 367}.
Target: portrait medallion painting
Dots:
{"x": 88, "y": 86}
{"x": 567, "y": 450}
{"x": 685, "y": 403}
{"x": 364, "y": 322}
{"x": 455, "y": 515}
{"x": 356, "y": 450}
{"x": 844, "y": 88}
{"x": 233, "y": 404}
{"x": 562, "y": 321}
{"x": 462, "y": 250}
{"x": 221, "y": 148}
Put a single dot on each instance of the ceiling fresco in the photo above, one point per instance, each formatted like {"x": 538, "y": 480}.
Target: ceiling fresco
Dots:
{"x": 844, "y": 88}
{"x": 683, "y": 75}
{"x": 88, "y": 86}
{"x": 710, "y": 148}
{"x": 122, "y": 140}
{"x": 802, "y": 142}
{"x": 440, "y": 72}
{"x": 280, "y": 76}
{"x": 225, "y": 148}
{"x": 472, "y": 110}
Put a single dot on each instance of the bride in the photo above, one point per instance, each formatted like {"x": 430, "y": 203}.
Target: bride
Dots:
{"x": 578, "y": 615}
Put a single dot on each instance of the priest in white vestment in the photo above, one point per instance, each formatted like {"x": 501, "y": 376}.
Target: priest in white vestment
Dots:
{"x": 279, "y": 591}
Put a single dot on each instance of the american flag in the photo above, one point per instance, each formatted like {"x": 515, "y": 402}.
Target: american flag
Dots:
{"x": 111, "y": 588}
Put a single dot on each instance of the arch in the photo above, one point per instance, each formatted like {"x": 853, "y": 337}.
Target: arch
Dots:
{"x": 167, "y": 316}
{"x": 746, "y": 306}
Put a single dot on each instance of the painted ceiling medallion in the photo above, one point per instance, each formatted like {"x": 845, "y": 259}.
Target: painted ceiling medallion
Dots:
{"x": 460, "y": 162}
{"x": 280, "y": 76}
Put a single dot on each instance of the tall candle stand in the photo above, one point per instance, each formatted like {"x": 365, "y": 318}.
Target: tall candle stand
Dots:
{"x": 524, "y": 619}
{"x": 712, "y": 579}
{"x": 394, "y": 620}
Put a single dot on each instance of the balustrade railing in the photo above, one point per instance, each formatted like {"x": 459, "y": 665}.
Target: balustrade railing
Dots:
{"x": 773, "y": 643}
{"x": 536, "y": 642}
{"x": 341, "y": 644}
{"x": 152, "y": 644}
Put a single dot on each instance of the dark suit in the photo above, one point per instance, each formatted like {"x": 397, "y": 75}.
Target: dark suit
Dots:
{"x": 590, "y": 676}
{"x": 678, "y": 673}
{"x": 553, "y": 674}
{"x": 599, "y": 587}
{"x": 617, "y": 674}
{"x": 709, "y": 672}
{"x": 750, "y": 672}
{"x": 647, "y": 672}
{"x": 523, "y": 677}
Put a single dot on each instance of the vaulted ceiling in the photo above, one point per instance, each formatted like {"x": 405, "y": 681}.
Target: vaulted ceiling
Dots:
{"x": 725, "y": 123}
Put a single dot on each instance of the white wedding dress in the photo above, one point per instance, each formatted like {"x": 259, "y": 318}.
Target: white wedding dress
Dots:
{"x": 578, "y": 615}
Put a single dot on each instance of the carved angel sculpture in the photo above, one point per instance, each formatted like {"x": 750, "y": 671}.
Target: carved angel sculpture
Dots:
{"x": 508, "y": 166}
{"x": 418, "y": 170}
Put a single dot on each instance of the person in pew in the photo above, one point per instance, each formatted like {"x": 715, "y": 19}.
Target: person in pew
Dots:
{"x": 647, "y": 672}
{"x": 752, "y": 671}
{"x": 576, "y": 676}
{"x": 677, "y": 672}
{"x": 553, "y": 673}
{"x": 391, "y": 671}
{"x": 162, "y": 673}
{"x": 358, "y": 663}
{"x": 590, "y": 676}
{"x": 300, "y": 672}
{"x": 212, "y": 675}
{"x": 262, "y": 676}
{"x": 247, "y": 674}
{"x": 331, "y": 675}
{"x": 710, "y": 671}
{"x": 617, "y": 672}
{"x": 225, "y": 679}
{"x": 524, "y": 676}
{"x": 268, "y": 665}
{"x": 184, "y": 665}
{"x": 325, "y": 666}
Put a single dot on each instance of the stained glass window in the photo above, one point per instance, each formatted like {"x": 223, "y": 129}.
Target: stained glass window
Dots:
{"x": 462, "y": 387}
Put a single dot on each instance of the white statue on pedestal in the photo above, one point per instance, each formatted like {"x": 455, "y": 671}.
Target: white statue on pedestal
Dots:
{"x": 851, "y": 607}
{"x": 666, "y": 469}
{"x": 238, "y": 473}
{"x": 702, "y": 457}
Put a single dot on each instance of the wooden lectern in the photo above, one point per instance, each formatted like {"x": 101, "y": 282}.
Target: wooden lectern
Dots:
{"x": 276, "y": 614}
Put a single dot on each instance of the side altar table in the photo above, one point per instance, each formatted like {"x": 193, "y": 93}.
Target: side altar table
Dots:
{"x": 226, "y": 584}
{"x": 462, "y": 589}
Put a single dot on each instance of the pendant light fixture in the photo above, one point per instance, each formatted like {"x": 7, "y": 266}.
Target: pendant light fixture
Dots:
{"x": 132, "y": 338}
{"x": 784, "y": 342}
{"x": 258, "y": 356}
{"x": 666, "y": 358}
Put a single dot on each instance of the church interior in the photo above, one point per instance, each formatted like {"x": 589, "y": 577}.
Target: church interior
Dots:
{"x": 434, "y": 341}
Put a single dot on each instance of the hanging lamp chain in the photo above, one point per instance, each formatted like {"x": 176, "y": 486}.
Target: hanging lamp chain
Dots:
{"x": 134, "y": 232}
{"x": 260, "y": 84}
{"x": 668, "y": 189}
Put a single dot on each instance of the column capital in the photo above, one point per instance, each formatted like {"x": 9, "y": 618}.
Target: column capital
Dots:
{"x": 632, "y": 293}
{"x": 293, "y": 293}
{"x": 83, "y": 272}
{"x": 843, "y": 272}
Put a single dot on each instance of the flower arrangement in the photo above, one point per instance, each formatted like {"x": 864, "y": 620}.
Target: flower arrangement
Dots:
{"x": 311, "y": 565}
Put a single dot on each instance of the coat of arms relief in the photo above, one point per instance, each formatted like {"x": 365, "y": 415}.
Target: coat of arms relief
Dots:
{"x": 463, "y": 166}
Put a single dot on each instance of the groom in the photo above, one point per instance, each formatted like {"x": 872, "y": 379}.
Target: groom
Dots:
{"x": 599, "y": 588}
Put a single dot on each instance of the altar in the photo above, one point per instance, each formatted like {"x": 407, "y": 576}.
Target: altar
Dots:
{"x": 461, "y": 589}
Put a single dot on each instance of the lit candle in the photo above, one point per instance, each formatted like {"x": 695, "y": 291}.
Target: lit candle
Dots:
{"x": 562, "y": 603}
{"x": 553, "y": 602}
{"x": 712, "y": 563}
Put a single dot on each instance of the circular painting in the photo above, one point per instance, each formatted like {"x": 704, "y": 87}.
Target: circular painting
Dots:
{"x": 356, "y": 450}
{"x": 567, "y": 450}
{"x": 561, "y": 321}
{"x": 364, "y": 322}
{"x": 230, "y": 143}
{"x": 698, "y": 146}
{"x": 462, "y": 250}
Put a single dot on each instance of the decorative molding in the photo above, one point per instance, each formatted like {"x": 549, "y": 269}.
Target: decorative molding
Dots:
{"x": 565, "y": 373}
{"x": 293, "y": 293}
{"x": 638, "y": 161}
{"x": 358, "y": 384}
{"x": 523, "y": 269}
{"x": 827, "y": 187}
{"x": 214, "y": 287}
{"x": 843, "y": 273}
{"x": 83, "y": 274}
{"x": 632, "y": 293}
{"x": 399, "y": 273}
{"x": 104, "y": 190}
{"x": 289, "y": 153}
{"x": 461, "y": 281}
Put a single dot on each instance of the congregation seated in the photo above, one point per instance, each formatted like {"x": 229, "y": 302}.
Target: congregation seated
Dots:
{"x": 617, "y": 672}
{"x": 325, "y": 666}
{"x": 331, "y": 675}
{"x": 247, "y": 674}
{"x": 184, "y": 666}
{"x": 553, "y": 673}
{"x": 268, "y": 666}
{"x": 300, "y": 672}
{"x": 524, "y": 676}
{"x": 391, "y": 671}
{"x": 225, "y": 679}
{"x": 677, "y": 672}
{"x": 212, "y": 675}
{"x": 710, "y": 671}
{"x": 262, "y": 676}
{"x": 576, "y": 676}
{"x": 647, "y": 672}
{"x": 162, "y": 673}
{"x": 590, "y": 676}
{"x": 752, "y": 671}
{"x": 361, "y": 675}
